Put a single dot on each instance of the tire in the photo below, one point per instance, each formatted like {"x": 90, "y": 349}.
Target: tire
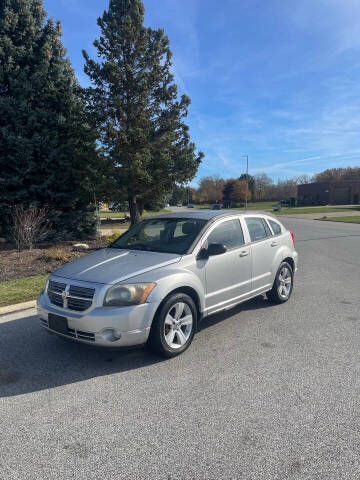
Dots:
{"x": 174, "y": 326}
{"x": 283, "y": 284}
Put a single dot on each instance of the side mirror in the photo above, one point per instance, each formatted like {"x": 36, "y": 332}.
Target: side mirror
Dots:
{"x": 203, "y": 254}
{"x": 216, "y": 249}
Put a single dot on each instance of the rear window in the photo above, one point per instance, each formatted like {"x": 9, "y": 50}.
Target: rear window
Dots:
{"x": 275, "y": 226}
{"x": 267, "y": 228}
{"x": 256, "y": 228}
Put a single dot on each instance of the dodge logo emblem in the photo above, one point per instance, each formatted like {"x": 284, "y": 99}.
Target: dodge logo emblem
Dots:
{"x": 64, "y": 295}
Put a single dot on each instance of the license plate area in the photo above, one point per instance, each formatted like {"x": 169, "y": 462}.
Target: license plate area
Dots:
{"x": 58, "y": 324}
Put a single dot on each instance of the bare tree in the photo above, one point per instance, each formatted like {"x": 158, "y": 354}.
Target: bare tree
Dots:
{"x": 211, "y": 188}
{"x": 263, "y": 183}
{"x": 338, "y": 174}
{"x": 239, "y": 189}
{"x": 30, "y": 225}
{"x": 286, "y": 188}
{"x": 304, "y": 179}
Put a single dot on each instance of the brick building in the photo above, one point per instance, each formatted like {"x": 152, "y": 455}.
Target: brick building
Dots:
{"x": 329, "y": 193}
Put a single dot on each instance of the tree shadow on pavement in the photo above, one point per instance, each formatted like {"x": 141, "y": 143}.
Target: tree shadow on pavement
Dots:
{"x": 32, "y": 360}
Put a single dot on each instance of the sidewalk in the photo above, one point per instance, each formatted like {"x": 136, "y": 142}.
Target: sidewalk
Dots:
{"x": 17, "y": 307}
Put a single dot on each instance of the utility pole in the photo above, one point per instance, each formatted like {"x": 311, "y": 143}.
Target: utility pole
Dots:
{"x": 247, "y": 179}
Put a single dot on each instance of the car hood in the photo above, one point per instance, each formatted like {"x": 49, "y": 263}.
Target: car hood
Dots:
{"x": 112, "y": 265}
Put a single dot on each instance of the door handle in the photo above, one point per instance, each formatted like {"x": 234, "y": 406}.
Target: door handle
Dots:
{"x": 273, "y": 244}
{"x": 244, "y": 253}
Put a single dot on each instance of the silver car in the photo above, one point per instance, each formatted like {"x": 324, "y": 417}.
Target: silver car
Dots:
{"x": 159, "y": 279}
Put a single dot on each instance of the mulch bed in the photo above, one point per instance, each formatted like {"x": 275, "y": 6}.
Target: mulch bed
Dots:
{"x": 28, "y": 263}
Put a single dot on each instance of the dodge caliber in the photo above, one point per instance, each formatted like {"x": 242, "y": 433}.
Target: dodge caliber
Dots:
{"x": 159, "y": 279}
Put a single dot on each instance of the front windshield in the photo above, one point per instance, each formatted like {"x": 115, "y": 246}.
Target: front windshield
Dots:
{"x": 165, "y": 235}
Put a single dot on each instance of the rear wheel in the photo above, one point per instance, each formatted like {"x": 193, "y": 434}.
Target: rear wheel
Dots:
{"x": 283, "y": 284}
{"x": 174, "y": 327}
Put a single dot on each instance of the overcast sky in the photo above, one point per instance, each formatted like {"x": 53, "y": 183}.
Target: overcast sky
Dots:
{"x": 277, "y": 80}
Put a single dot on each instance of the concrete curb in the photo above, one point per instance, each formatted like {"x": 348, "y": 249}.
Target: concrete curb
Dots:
{"x": 17, "y": 307}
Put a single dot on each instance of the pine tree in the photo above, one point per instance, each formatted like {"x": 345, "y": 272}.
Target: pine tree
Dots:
{"x": 135, "y": 103}
{"x": 47, "y": 148}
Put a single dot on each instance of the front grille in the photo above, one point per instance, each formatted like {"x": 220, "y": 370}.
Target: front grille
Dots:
{"x": 55, "y": 299}
{"x": 81, "y": 292}
{"x": 44, "y": 322}
{"x": 78, "y": 304}
{"x": 81, "y": 335}
{"x": 56, "y": 286}
{"x": 78, "y": 298}
{"x": 90, "y": 337}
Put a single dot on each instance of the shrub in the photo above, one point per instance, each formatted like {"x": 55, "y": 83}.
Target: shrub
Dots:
{"x": 30, "y": 225}
{"x": 111, "y": 238}
{"x": 154, "y": 206}
{"x": 59, "y": 254}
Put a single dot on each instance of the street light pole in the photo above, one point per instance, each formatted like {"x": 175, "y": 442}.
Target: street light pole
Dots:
{"x": 247, "y": 179}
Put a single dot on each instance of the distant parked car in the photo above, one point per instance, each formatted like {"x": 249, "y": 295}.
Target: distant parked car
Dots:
{"x": 161, "y": 277}
{"x": 291, "y": 202}
{"x": 116, "y": 207}
{"x": 216, "y": 206}
{"x": 190, "y": 205}
{"x": 179, "y": 204}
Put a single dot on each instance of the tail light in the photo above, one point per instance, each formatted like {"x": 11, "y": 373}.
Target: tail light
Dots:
{"x": 293, "y": 238}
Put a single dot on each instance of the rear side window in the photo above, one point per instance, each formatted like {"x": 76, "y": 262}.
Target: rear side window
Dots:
{"x": 267, "y": 228}
{"x": 275, "y": 226}
{"x": 256, "y": 228}
{"x": 228, "y": 233}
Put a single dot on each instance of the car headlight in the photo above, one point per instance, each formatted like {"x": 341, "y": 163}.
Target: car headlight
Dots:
{"x": 124, "y": 295}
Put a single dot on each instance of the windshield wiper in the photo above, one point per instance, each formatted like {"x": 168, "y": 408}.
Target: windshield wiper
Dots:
{"x": 138, "y": 246}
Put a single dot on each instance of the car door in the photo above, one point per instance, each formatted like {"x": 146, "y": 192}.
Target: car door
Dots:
{"x": 228, "y": 276}
{"x": 263, "y": 248}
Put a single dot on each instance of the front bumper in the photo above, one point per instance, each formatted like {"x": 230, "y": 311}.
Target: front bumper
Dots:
{"x": 296, "y": 260}
{"x": 102, "y": 326}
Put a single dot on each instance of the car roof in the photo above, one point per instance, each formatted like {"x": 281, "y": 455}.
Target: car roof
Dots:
{"x": 210, "y": 214}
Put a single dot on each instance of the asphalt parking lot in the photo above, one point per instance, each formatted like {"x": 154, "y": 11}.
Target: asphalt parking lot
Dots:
{"x": 265, "y": 392}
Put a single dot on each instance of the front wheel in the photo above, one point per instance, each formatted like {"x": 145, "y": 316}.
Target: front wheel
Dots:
{"x": 283, "y": 284}
{"x": 174, "y": 326}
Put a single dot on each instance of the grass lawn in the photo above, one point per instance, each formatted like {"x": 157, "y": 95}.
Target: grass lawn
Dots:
{"x": 121, "y": 214}
{"x": 301, "y": 210}
{"x": 111, "y": 214}
{"x": 269, "y": 207}
{"x": 354, "y": 219}
{"x": 251, "y": 206}
{"x": 21, "y": 290}
{"x": 115, "y": 226}
{"x": 262, "y": 205}
{"x": 151, "y": 214}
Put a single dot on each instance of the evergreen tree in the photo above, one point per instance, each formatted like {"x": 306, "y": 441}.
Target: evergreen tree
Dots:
{"x": 228, "y": 192}
{"x": 47, "y": 148}
{"x": 135, "y": 103}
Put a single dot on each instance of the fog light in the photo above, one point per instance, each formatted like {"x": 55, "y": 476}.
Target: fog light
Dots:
{"x": 110, "y": 334}
{"x": 117, "y": 333}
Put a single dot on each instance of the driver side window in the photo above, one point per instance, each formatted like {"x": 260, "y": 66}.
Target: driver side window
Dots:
{"x": 228, "y": 233}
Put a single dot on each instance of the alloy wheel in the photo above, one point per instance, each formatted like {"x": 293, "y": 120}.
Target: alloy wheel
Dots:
{"x": 285, "y": 283}
{"x": 178, "y": 325}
